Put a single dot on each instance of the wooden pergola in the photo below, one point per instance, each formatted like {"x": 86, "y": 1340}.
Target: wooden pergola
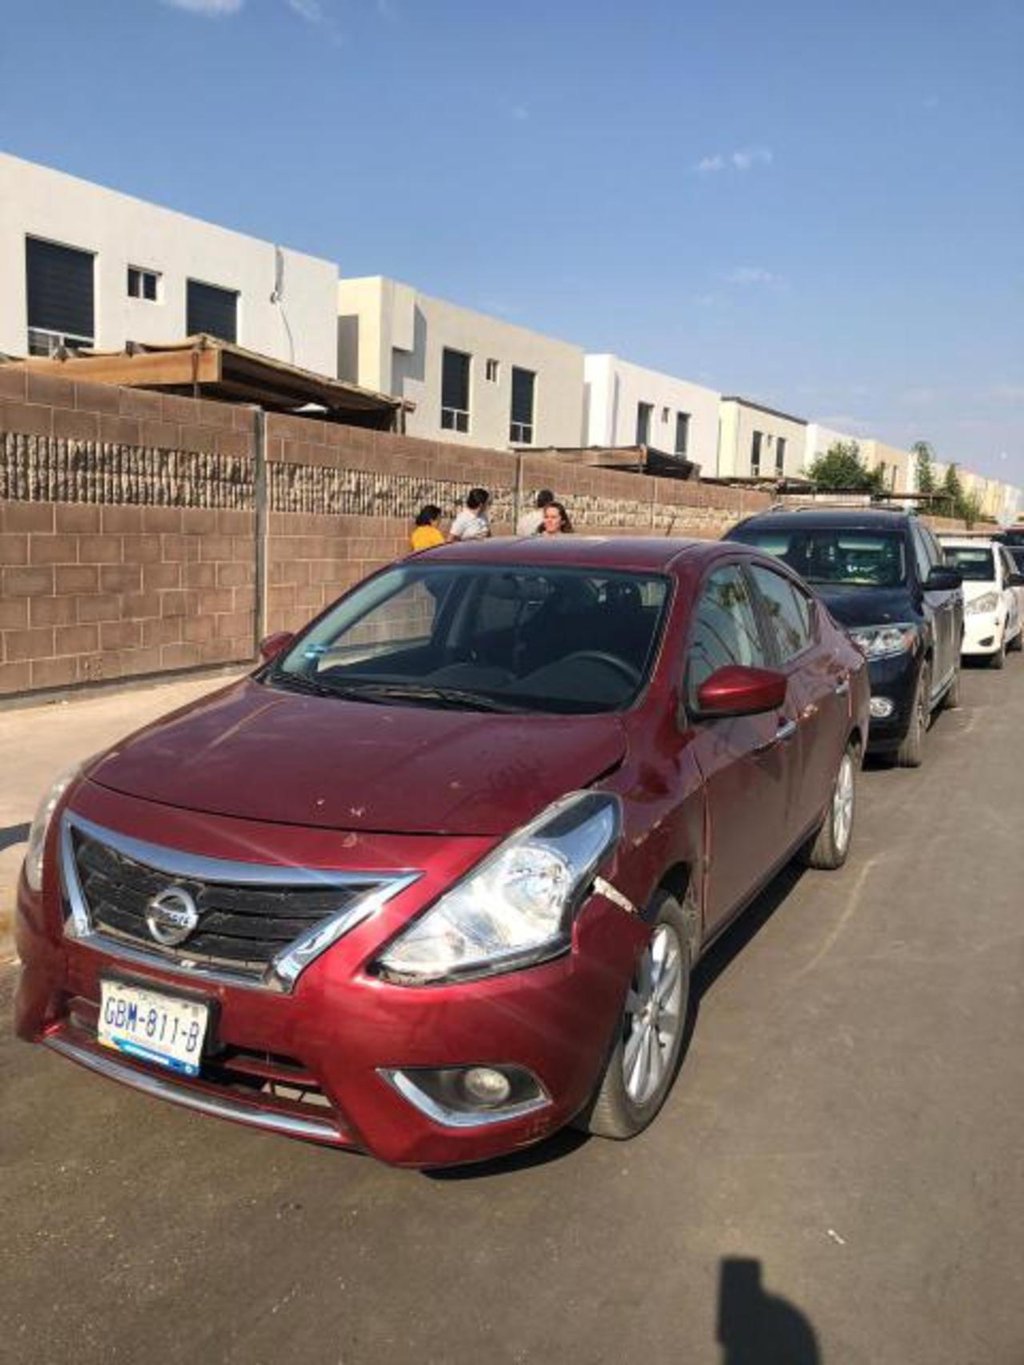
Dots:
{"x": 204, "y": 366}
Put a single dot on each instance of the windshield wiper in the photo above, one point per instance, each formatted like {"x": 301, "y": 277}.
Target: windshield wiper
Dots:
{"x": 459, "y": 697}
{"x": 318, "y": 687}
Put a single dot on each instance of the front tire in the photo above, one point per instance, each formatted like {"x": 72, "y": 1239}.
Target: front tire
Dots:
{"x": 998, "y": 659}
{"x": 911, "y": 751}
{"x": 649, "y": 1040}
{"x": 828, "y": 848}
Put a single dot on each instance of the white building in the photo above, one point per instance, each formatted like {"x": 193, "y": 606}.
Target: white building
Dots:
{"x": 474, "y": 379}
{"x": 81, "y": 265}
{"x": 758, "y": 442}
{"x": 628, "y": 405}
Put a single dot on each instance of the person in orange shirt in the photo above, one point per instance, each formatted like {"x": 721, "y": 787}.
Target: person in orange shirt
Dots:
{"x": 427, "y": 531}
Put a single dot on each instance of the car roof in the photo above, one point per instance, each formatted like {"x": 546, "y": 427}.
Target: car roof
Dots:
{"x": 651, "y": 554}
{"x": 819, "y": 518}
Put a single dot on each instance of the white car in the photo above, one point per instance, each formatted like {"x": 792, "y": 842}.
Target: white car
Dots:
{"x": 993, "y": 597}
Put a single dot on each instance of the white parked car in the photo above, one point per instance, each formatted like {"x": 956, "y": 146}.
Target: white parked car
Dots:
{"x": 993, "y": 597}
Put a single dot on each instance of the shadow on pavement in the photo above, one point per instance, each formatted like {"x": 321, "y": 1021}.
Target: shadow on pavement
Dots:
{"x": 755, "y": 1328}
{"x": 13, "y": 834}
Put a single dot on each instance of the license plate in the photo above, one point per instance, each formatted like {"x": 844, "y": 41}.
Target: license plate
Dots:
{"x": 164, "y": 1029}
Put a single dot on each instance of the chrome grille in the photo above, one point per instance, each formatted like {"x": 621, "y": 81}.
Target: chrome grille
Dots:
{"x": 256, "y": 922}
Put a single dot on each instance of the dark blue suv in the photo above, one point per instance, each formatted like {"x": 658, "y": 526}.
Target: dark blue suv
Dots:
{"x": 881, "y": 574}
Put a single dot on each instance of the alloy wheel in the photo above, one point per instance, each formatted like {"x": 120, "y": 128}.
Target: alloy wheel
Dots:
{"x": 655, "y": 1014}
{"x": 842, "y": 804}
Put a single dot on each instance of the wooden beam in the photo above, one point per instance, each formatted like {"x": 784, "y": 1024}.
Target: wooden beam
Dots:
{"x": 147, "y": 369}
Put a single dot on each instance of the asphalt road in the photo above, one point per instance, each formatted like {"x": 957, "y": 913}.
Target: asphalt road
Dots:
{"x": 837, "y": 1177}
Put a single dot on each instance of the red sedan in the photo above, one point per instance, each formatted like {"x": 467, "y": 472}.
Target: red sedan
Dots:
{"x": 431, "y": 883}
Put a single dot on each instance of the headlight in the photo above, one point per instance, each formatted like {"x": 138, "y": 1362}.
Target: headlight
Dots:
{"x": 41, "y": 823}
{"x": 880, "y": 642}
{"x": 987, "y": 602}
{"x": 517, "y": 906}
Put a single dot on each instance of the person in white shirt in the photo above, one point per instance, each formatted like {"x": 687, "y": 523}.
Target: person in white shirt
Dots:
{"x": 471, "y": 522}
{"x": 533, "y": 518}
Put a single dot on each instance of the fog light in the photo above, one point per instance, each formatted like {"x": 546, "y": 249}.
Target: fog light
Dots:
{"x": 486, "y": 1086}
{"x": 881, "y": 708}
{"x": 469, "y": 1096}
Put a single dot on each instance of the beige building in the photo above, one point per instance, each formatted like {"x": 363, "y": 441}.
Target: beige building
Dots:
{"x": 898, "y": 467}
{"x": 473, "y": 379}
{"x": 758, "y": 442}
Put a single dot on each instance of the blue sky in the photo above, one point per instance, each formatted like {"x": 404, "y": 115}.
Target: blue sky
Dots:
{"x": 817, "y": 205}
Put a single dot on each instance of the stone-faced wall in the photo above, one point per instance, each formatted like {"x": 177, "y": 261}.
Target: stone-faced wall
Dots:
{"x": 130, "y": 537}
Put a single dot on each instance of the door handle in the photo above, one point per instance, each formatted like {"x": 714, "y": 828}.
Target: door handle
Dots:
{"x": 786, "y": 730}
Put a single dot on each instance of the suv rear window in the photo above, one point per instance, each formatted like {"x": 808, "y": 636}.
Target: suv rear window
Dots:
{"x": 831, "y": 556}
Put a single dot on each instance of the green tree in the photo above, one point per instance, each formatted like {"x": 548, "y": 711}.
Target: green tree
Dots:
{"x": 970, "y": 509}
{"x": 925, "y": 466}
{"x": 842, "y": 470}
{"x": 952, "y": 491}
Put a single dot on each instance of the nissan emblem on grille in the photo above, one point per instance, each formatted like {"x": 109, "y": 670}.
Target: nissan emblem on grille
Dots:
{"x": 171, "y": 916}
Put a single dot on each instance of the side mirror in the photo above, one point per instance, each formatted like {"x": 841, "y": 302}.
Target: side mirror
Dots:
{"x": 275, "y": 644}
{"x": 943, "y": 579}
{"x": 1015, "y": 580}
{"x": 737, "y": 690}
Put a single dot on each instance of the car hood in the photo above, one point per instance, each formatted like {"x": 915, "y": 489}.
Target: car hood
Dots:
{"x": 868, "y": 606}
{"x": 256, "y": 753}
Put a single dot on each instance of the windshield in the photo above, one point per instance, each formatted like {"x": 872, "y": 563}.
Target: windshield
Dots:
{"x": 836, "y": 558}
{"x": 974, "y": 562}
{"x": 483, "y": 637}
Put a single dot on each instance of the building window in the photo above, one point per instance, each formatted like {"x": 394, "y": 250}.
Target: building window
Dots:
{"x": 682, "y": 433}
{"x": 666, "y": 414}
{"x": 755, "y": 453}
{"x": 644, "y": 412}
{"x": 521, "y": 426}
{"x": 493, "y": 371}
{"x": 454, "y": 390}
{"x": 61, "y": 297}
{"x": 780, "y": 455}
{"x": 142, "y": 284}
{"x": 211, "y": 310}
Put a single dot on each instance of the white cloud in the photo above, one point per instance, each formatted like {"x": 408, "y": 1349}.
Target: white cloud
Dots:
{"x": 210, "y": 9}
{"x": 310, "y": 10}
{"x": 751, "y": 274}
{"x": 743, "y": 159}
{"x": 752, "y": 156}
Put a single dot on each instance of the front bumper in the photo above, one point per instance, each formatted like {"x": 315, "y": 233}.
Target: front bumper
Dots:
{"x": 983, "y": 634}
{"x": 894, "y": 679}
{"x": 314, "y": 1063}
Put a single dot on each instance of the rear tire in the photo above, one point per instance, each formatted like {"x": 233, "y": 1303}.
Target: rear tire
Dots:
{"x": 828, "y": 848}
{"x": 911, "y": 750}
{"x": 648, "y": 1043}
